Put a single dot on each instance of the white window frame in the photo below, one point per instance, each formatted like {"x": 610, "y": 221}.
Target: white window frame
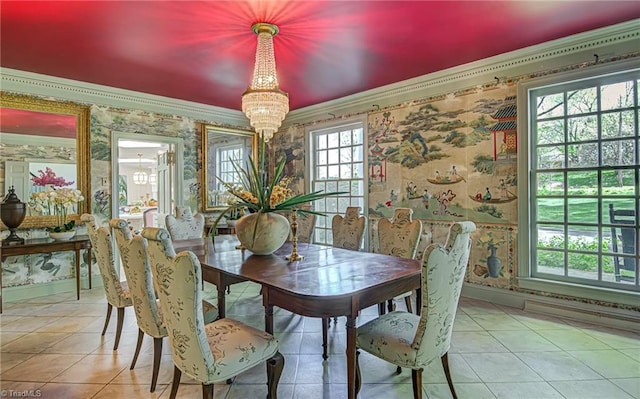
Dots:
{"x": 310, "y": 133}
{"x": 228, "y": 176}
{"x": 525, "y": 244}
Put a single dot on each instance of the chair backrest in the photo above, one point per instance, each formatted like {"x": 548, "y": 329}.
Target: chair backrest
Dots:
{"x": 148, "y": 217}
{"x": 348, "y": 231}
{"x": 185, "y": 225}
{"x": 306, "y": 224}
{"x": 135, "y": 262}
{"x": 623, "y": 217}
{"x": 179, "y": 291}
{"x": 443, "y": 271}
{"x": 401, "y": 236}
{"x": 102, "y": 248}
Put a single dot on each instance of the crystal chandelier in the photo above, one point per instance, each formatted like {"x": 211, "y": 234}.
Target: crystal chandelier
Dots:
{"x": 140, "y": 177}
{"x": 263, "y": 102}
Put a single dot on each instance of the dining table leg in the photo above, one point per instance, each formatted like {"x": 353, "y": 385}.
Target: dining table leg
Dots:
{"x": 222, "y": 303}
{"x": 351, "y": 357}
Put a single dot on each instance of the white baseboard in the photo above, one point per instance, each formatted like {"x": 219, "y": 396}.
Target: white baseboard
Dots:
{"x": 573, "y": 310}
{"x": 26, "y": 292}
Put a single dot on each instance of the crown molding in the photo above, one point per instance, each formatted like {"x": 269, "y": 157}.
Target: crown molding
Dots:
{"x": 13, "y": 80}
{"x": 611, "y": 41}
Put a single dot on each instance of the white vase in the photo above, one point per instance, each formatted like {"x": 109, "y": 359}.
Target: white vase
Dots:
{"x": 262, "y": 233}
{"x": 62, "y": 235}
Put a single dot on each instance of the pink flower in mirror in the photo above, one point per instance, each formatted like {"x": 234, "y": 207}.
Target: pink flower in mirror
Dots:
{"x": 49, "y": 178}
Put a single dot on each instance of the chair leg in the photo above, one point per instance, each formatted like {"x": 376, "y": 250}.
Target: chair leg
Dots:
{"x": 407, "y": 302}
{"x": 381, "y": 309}
{"x": 138, "y": 346}
{"x": 325, "y": 333}
{"x": 175, "y": 383}
{"x": 275, "y": 365}
{"x": 390, "y": 305}
{"x": 416, "y": 379}
{"x": 445, "y": 366}
{"x": 106, "y": 320}
{"x": 119, "y": 328}
{"x": 207, "y": 391}
{"x": 157, "y": 356}
{"x": 358, "y": 375}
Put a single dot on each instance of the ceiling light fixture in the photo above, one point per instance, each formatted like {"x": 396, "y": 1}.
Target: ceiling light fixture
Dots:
{"x": 263, "y": 102}
{"x": 140, "y": 177}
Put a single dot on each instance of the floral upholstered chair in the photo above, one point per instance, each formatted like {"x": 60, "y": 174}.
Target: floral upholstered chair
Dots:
{"x": 409, "y": 340}
{"x": 135, "y": 262}
{"x": 185, "y": 225}
{"x": 207, "y": 353}
{"x": 348, "y": 231}
{"x": 117, "y": 292}
{"x": 400, "y": 238}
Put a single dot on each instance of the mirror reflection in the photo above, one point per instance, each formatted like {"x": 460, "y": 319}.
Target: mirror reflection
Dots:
{"x": 44, "y": 147}
{"x": 221, "y": 148}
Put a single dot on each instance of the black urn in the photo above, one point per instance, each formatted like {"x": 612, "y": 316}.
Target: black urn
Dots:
{"x": 12, "y": 213}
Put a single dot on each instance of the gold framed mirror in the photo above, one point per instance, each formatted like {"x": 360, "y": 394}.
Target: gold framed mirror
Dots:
{"x": 40, "y": 134}
{"x": 219, "y": 147}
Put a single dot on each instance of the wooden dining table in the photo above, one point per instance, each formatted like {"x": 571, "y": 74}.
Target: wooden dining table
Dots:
{"x": 328, "y": 282}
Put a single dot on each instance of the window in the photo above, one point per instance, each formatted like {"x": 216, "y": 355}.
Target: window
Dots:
{"x": 337, "y": 164}
{"x": 584, "y": 175}
{"x": 225, "y": 157}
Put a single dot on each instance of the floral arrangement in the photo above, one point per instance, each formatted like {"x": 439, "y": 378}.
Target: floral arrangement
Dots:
{"x": 257, "y": 193}
{"x": 489, "y": 241}
{"x": 56, "y": 202}
{"x": 48, "y": 178}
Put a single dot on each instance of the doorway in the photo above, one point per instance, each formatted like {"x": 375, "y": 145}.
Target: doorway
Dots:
{"x": 146, "y": 183}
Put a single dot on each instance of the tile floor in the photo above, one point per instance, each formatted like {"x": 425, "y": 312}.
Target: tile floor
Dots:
{"x": 51, "y": 348}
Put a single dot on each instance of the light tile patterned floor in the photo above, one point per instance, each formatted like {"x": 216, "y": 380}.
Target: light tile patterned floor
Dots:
{"x": 52, "y": 345}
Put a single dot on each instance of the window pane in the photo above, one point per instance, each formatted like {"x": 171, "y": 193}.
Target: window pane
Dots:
{"x": 618, "y": 124}
{"x": 550, "y": 236}
{"x": 582, "y": 155}
{"x": 582, "y": 210}
{"x": 550, "y": 105}
{"x": 334, "y": 171}
{"x": 618, "y": 182}
{"x": 582, "y": 183}
{"x": 322, "y": 158}
{"x": 345, "y": 138}
{"x": 551, "y": 262}
{"x": 344, "y": 185}
{"x": 550, "y": 183}
{"x": 321, "y": 173}
{"x": 322, "y": 142}
{"x": 357, "y": 153}
{"x": 550, "y": 157}
{"x": 582, "y": 101}
{"x": 618, "y": 152}
{"x": 617, "y": 95}
{"x": 550, "y": 132}
{"x": 358, "y": 170}
{"x": 357, "y": 136}
{"x": 345, "y": 154}
{"x": 550, "y": 209}
{"x": 583, "y": 266}
{"x": 333, "y": 156}
{"x": 582, "y": 128}
{"x": 332, "y": 140}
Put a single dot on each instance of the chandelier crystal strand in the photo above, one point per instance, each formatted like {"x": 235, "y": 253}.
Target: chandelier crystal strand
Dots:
{"x": 263, "y": 102}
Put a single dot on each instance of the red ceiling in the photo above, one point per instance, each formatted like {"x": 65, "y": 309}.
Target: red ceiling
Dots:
{"x": 204, "y": 51}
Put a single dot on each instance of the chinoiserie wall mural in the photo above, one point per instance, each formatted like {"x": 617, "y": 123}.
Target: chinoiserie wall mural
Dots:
{"x": 450, "y": 158}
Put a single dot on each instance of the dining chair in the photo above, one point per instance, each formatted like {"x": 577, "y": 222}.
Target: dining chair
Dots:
{"x": 305, "y": 225}
{"x": 149, "y": 217}
{"x": 185, "y": 225}
{"x": 208, "y": 353}
{"x": 409, "y": 340}
{"x": 399, "y": 237}
{"x": 347, "y": 232}
{"x": 116, "y": 291}
{"x": 137, "y": 269}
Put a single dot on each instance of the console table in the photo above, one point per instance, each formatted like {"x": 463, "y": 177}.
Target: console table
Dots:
{"x": 46, "y": 245}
